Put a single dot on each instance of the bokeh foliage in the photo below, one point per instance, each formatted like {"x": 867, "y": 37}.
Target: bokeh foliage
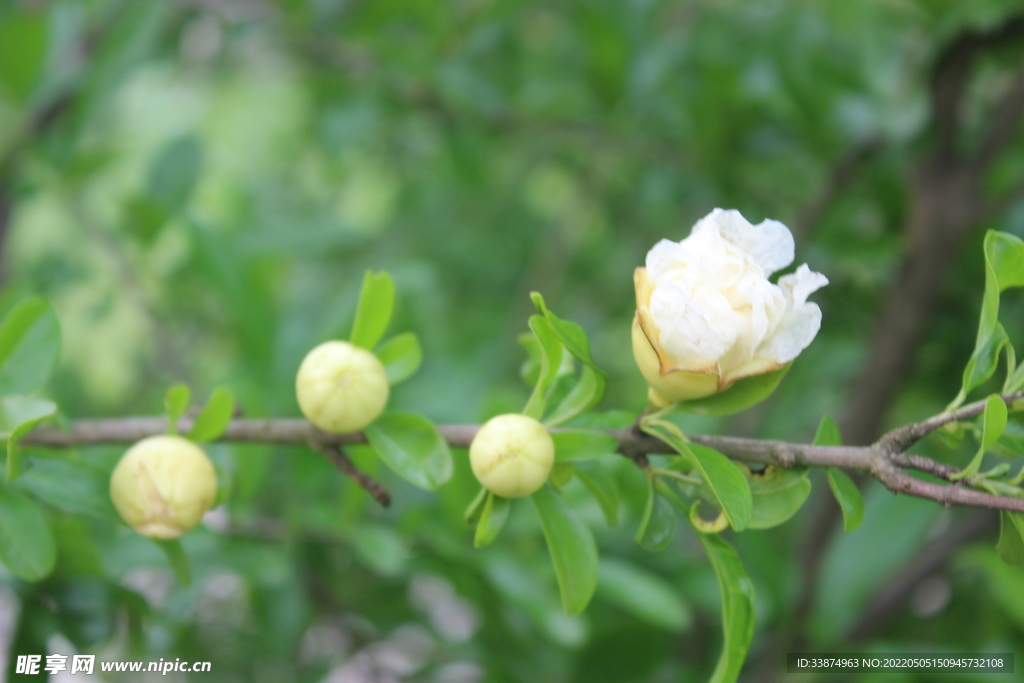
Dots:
{"x": 198, "y": 187}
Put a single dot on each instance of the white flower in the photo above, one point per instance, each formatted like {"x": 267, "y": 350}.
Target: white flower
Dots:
{"x": 706, "y": 314}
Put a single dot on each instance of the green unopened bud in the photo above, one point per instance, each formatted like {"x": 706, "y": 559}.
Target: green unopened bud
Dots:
{"x": 512, "y": 455}
{"x": 163, "y": 486}
{"x": 341, "y": 388}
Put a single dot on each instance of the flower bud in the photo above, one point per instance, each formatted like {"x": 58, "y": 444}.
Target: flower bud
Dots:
{"x": 162, "y": 486}
{"x": 341, "y": 388}
{"x": 707, "y": 315}
{"x": 512, "y": 455}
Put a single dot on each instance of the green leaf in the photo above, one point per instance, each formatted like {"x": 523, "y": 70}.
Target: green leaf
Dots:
{"x": 376, "y": 302}
{"x": 737, "y": 592}
{"x": 643, "y": 594}
{"x": 476, "y": 506}
{"x": 581, "y": 444}
{"x": 584, "y": 396}
{"x": 530, "y": 368}
{"x": 572, "y": 548}
{"x": 574, "y": 338}
{"x": 401, "y": 356}
{"x": 26, "y": 542}
{"x": 215, "y": 416}
{"x": 848, "y": 496}
{"x": 828, "y": 433}
{"x": 1004, "y": 268}
{"x": 22, "y": 50}
{"x": 70, "y": 484}
{"x": 777, "y": 493}
{"x": 29, "y": 346}
{"x": 843, "y": 488}
{"x": 1010, "y": 546}
{"x": 993, "y": 423}
{"x": 412, "y": 447}
{"x": 18, "y": 416}
{"x": 177, "y": 559}
{"x": 551, "y": 362}
{"x": 492, "y": 520}
{"x": 600, "y": 482}
{"x": 658, "y": 524}
{"x": 740, "y": 396}
{"x": 720, "y": 475}
{"x": 176, "y": 403}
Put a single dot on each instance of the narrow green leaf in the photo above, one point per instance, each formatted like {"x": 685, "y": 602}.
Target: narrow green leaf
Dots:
{"x": 476, "y": 506}
{"x": 215, "y": 416}
{"x": 843, "y": 488}
{"x": 721, "y": 476}
{"x": 18, "y": 416}
{"x": 740, "y": 396}
{"x": 848, "y": 496}
{"x": 1010, "y": 546}
{"x": 584, "y": 396}
{"x": 777, "y": 493}
{"x": 993, "y": 423}
{"x": 1004, "y": 268}
{"x": 401, "y": 356}
{"x": 26, "y": 542}
{"x": 658, "y": 524}
{"x": 529, "y": 371}
{"x": 600, "y": 482}
{"x": 412, "y": 447}
{"x": 376, "y": 302}
{"x": 574, "y": 338}
{"x": 492, "y": 520}
{"x": 643, "y": 594}
{"x": 176, "y": 403}
{"x": 29, "y": 346}
{"x": 737, "y": 592}
{"x": 582, "y": 444}
{"x": 551, "y": 361}
{"x": 572, "y": 548}
{"x": 177, "y": 559}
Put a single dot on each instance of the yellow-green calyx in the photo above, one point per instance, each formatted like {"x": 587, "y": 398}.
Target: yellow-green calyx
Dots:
{"x": 341, "y": 388}
{"x": 512, "y": 455}
{"x": 162, "y": 486}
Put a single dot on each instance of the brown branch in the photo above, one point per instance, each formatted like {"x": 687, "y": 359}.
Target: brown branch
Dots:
{"x": 339, "y": 459}
{"x": 885, "y": 459}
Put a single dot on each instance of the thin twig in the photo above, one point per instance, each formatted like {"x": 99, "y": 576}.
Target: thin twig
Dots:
{"x": 339, "y": 459}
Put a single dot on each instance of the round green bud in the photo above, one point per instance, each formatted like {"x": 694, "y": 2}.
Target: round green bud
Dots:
{"x": 341, "y": 388}
{"x": 162, "y": 486}
{"x": 512, "y": 455}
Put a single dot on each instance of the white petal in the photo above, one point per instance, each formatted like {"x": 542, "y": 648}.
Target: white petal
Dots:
{"x": 795, "y": 333}
{"x": 802, "y": 320}
{"x": 692, "y": 331}
{"x": 769, "y": 244}
{"x": 663, "y": 257}
{"x": 799, "y": 285}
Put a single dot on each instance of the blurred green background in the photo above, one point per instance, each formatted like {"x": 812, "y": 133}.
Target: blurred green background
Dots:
{"x": 198, "y": 186}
